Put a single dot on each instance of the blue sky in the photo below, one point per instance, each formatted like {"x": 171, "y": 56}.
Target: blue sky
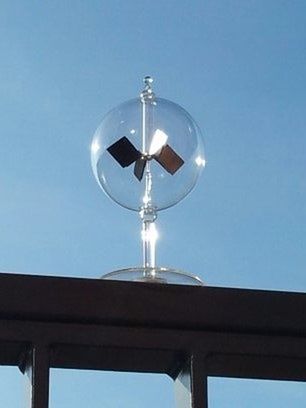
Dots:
{"x": 238, "y": 67}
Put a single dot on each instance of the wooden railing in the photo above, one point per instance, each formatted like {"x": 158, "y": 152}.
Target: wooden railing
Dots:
{"x": 187, "y": 332}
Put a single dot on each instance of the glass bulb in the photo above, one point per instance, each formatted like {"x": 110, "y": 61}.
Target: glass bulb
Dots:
{"x": 164, "y": 141}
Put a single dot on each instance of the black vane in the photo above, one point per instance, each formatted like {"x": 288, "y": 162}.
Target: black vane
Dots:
{"x": 124, "y": 152}
{"x": 139, "y": 167}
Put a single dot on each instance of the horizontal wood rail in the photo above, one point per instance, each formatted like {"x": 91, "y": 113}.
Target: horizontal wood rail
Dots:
{"x": 186, "y": 332}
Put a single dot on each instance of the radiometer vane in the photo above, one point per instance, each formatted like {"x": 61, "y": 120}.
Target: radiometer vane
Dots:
{"x": 124, "y": 152}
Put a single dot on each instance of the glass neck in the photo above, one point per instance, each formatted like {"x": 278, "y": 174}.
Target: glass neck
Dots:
{"x": 149, "y": 236}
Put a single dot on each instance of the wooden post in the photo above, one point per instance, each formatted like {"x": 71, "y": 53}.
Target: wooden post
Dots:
{"x": 37, "y": 370}
{"x": 191, "y": 385}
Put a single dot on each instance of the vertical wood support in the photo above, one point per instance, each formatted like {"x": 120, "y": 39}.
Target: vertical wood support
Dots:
{"x": 190, "y": 385}
{"x": 37, "y": 370}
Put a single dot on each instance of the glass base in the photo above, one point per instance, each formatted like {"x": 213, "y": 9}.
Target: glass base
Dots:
{"x": 154, "y": 275}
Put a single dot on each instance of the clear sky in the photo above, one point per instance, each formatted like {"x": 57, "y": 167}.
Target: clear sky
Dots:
{"x": 238, "y": 67}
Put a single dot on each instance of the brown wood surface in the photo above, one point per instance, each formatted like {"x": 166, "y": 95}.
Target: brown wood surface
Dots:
{"x": 186, "y": 332}
{"x": 95, "y": 301}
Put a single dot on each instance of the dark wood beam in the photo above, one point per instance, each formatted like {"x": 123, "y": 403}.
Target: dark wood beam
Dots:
{"x": 94, "y": 301}
{"x": 105, "y": 325}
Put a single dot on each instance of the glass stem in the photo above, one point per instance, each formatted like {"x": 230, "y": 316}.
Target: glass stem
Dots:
{"x": 149, "y": 237}
{"x": 148, "y": 244}
{"x": 147, "y": 212}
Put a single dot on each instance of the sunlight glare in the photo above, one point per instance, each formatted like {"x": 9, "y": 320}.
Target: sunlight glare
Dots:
{"x": 159, "y": 139}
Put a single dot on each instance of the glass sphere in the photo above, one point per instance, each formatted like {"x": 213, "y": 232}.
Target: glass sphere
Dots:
{"x": 159, "y": 137}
